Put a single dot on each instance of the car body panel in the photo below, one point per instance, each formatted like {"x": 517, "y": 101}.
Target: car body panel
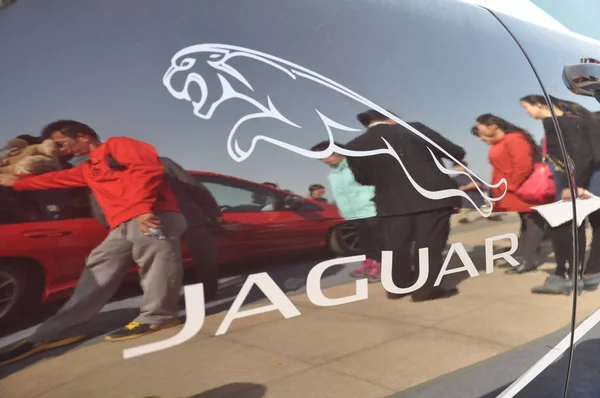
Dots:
{"x": 242, "y": 90}
{"x": 549, "y": 52}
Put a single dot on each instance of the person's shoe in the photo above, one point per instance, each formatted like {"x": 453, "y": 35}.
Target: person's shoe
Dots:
{"x": 503, "y": 264}
{"x": 494, "y": 218}
{"x": 25, "y": 349}
{"x": 522, "y": 268}
{"x": 591, "y": 282}
{"x": 463, "y": 221}
{"x": 374, "y": 274}
{"x": 137, "y": 329}
{"x": 556, "y": 284}
{"x": 395, "y": 296}
{"x": 437, "y": 294}
{"x": 363, "y": 270}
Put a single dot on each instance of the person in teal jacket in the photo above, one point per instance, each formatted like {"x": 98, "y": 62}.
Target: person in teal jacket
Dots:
{"x": 354, "y": 202}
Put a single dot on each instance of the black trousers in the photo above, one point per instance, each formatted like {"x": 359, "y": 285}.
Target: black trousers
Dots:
{"x": 533, "y": 229}
{"x": 593, "y": 264}
{"x": 562, "y": 244}
{"x": 424, "y": 230}
{"x": 369, "y": 237}
{"x": 203, "y": 251}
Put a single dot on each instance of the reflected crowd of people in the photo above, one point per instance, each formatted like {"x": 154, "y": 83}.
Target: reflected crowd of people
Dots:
{"x": 392, "y": 199}
{"x": 535, "y": 174}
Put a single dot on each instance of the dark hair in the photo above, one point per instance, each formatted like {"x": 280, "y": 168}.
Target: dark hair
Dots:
{"x": 31, "y": 140}
{"x": 568, "y": 107}
{"x": 70, "y": 128}
{"x": 321, "y": 146}
{"x": 370, "y": 116}
{"x": 314, "y": 187}
{"x": 489, "y": 119}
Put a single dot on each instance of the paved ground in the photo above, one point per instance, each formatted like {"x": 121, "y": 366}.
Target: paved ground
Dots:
{"x": 370, "y": 348}
{"x": 488, "y": 378}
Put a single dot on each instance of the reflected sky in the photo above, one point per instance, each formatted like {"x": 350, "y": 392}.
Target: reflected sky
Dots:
{"x": 549, "y": 53}
{"x": 580, "y": 16}
{"x": 103, "y": 65}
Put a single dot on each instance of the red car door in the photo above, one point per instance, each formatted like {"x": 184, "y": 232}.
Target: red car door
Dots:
{"x": 258, "y": 228}
{"x": 56, "y": 229}
{"x": 303, "y": 225}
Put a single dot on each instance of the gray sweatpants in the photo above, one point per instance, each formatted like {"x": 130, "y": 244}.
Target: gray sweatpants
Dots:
{"x": 161, "y": 275}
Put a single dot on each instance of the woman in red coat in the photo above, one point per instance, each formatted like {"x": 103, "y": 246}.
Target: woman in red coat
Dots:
{"x": 512, "y": 155}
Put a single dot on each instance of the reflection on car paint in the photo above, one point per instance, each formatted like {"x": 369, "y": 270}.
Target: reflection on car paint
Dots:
{"x": 195, "y": 306}
{"x": 217, "y": 57}
{"x": 437, "y": 61}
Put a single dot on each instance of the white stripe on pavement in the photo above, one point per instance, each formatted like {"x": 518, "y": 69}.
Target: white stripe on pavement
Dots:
{"x": 550, "y": 357}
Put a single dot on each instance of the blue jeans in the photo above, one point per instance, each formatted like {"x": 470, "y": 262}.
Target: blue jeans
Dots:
{"x": 561, "y": 180}
{"x": 594, "y": 186}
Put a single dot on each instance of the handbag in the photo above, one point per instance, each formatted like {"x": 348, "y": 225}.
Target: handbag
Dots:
{"x": 539, "y": 188}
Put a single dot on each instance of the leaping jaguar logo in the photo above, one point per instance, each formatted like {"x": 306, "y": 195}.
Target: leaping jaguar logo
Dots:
{"x": 217, "y": 58}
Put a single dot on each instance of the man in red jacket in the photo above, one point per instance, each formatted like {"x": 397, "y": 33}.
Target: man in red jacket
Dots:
{"x": 145, "y": 226}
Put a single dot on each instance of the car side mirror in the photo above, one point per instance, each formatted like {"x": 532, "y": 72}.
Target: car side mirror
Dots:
{"x": 583, "y": 78}
{"x": 292, "y": 202}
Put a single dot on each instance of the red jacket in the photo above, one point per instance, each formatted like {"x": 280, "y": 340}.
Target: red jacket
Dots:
{"x": 122, "y": 194}
{"x": 512, "y": 159}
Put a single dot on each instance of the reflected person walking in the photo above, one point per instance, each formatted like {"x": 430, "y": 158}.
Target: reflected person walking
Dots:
{"x": 406, "y": 216}
{"x": 355, "y": 202}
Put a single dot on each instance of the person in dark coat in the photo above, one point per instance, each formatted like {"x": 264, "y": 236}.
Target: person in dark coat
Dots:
{"x": 579, "y": 128}
{"x": 316, "y": 192}
{"x": 466, "y": 184}
{"x": 407, "y": 217}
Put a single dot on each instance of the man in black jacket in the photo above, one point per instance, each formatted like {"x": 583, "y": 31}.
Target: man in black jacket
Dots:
{"x": 407, "y": 217}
